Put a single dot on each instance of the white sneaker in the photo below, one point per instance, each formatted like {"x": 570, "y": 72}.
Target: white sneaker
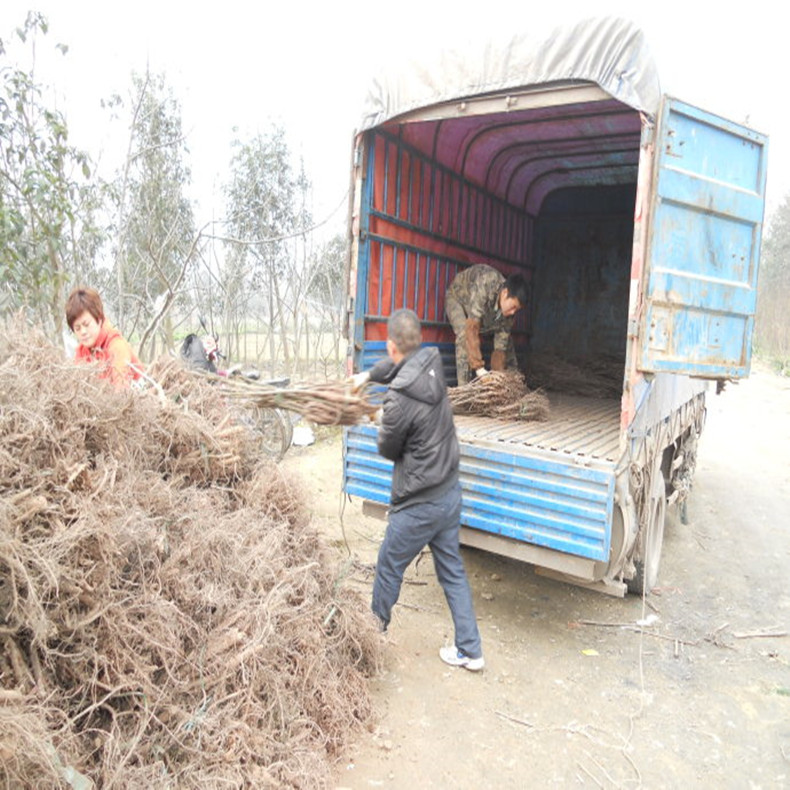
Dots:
{"x": 456, "y": 657}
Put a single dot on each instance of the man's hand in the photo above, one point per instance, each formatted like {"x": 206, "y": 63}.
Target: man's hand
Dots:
{"x": 358, "y": 380}
{"x": 480, "y": 372}
{"x": 376, "y": 418}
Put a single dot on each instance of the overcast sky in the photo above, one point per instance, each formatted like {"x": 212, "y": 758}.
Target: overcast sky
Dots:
{"x": 307, "y": 65}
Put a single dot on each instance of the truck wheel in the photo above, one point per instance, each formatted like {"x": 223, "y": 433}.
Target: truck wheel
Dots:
{"x": 648, "y": 562}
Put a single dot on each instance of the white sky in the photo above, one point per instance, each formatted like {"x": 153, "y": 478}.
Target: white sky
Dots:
{"x": 307, "y": 65}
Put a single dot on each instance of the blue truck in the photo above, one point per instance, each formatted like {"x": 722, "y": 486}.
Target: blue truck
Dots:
{"x": 636, "y": 220}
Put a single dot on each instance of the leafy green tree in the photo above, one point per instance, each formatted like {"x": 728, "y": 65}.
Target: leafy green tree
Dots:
{"x": 48, "y": 204}
{"x": 773, "y": 318}
{"x": 157, "y": 238}
{"x": 776, "y": 247}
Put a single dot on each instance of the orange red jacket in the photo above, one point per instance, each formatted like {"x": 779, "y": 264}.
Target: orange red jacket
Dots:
{"x": 114, "y": 354}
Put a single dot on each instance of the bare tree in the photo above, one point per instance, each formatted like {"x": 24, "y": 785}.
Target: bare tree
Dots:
{"x": 261, "y": 221}
{"x": 157, "y": 238}
{"x": 326, "y": 293}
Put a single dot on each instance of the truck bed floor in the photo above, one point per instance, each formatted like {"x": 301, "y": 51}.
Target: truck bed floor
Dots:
{"x": 577, "y": 425}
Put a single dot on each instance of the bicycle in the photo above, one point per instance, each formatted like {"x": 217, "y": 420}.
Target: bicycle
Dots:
{"x": 273, "y": 426}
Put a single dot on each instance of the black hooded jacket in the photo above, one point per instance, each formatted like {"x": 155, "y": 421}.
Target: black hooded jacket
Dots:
{"x": 417, "y": 430}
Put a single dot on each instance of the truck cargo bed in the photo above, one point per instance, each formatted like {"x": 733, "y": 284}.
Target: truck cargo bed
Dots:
{"x": 577, "y": 425}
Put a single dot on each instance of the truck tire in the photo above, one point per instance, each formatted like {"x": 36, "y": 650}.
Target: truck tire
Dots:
{"x": 649, "y": 559}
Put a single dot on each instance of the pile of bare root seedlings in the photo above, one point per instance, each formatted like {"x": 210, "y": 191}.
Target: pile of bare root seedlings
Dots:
{"x": 502, "y": 394}
{"x": 595, "y": 376}
{"x": 168, "y": 615}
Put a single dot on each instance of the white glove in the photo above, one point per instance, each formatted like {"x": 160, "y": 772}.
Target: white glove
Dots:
{"x": 480, "y": 372}
{"x": 358, "y": 380}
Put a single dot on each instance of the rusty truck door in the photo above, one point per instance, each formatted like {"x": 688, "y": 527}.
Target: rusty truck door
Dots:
{"x": 703, "y": 245}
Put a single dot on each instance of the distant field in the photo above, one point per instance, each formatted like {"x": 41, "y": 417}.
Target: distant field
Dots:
{"x": 318, "y": 358}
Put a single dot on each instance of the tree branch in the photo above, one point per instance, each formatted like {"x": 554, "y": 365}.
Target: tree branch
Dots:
{"x": 171, "y": 292}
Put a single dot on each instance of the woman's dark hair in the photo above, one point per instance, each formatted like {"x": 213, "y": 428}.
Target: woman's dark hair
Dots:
{"x": 80, "y": 300}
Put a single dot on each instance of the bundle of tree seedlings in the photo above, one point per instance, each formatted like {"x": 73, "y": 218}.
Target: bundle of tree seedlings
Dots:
{"x": 168, "y": 615}
{"x": 595, "y": 376}
{"x": 502, "y": 394}
{"x": 324, "y": 403}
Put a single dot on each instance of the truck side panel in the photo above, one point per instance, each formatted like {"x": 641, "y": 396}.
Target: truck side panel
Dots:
{"x": 420, "y": 225}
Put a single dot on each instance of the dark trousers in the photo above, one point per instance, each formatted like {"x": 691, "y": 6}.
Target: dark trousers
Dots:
{"x": 436, "y": 525}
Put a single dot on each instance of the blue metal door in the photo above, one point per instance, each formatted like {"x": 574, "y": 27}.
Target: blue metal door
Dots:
{"x": 703, "y": 244}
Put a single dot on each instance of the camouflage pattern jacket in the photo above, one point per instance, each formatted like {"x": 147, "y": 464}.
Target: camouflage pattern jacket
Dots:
{"x": 477, "y": 289}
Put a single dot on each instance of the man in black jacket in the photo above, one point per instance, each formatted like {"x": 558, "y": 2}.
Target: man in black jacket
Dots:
{"x": 417, "y": 433}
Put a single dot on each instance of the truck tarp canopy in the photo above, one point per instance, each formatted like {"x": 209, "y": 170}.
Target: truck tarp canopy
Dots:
{"x": 609, "y": 52}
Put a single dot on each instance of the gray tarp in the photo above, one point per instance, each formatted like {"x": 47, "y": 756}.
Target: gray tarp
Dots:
{"x": 609, "y": 52}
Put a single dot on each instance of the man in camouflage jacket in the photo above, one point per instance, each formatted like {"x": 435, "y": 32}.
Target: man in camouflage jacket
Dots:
{"x": 480, "y": 300}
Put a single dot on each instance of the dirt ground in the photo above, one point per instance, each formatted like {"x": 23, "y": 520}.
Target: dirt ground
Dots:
{"x": 694, "y": 700}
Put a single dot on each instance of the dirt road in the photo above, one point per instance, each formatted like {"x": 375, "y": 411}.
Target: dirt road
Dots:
{"x": 696, "y": 699}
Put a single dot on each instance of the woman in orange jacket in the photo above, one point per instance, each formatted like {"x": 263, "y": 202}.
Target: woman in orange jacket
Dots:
{"x": 99, "y": 340}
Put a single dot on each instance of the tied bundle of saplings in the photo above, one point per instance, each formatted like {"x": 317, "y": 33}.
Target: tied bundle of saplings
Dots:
{"x": 169, "y": 617}
{"x": 502, "y": 394}
{"x": 594, "y": 376}
{"x": 324, "y": 403}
